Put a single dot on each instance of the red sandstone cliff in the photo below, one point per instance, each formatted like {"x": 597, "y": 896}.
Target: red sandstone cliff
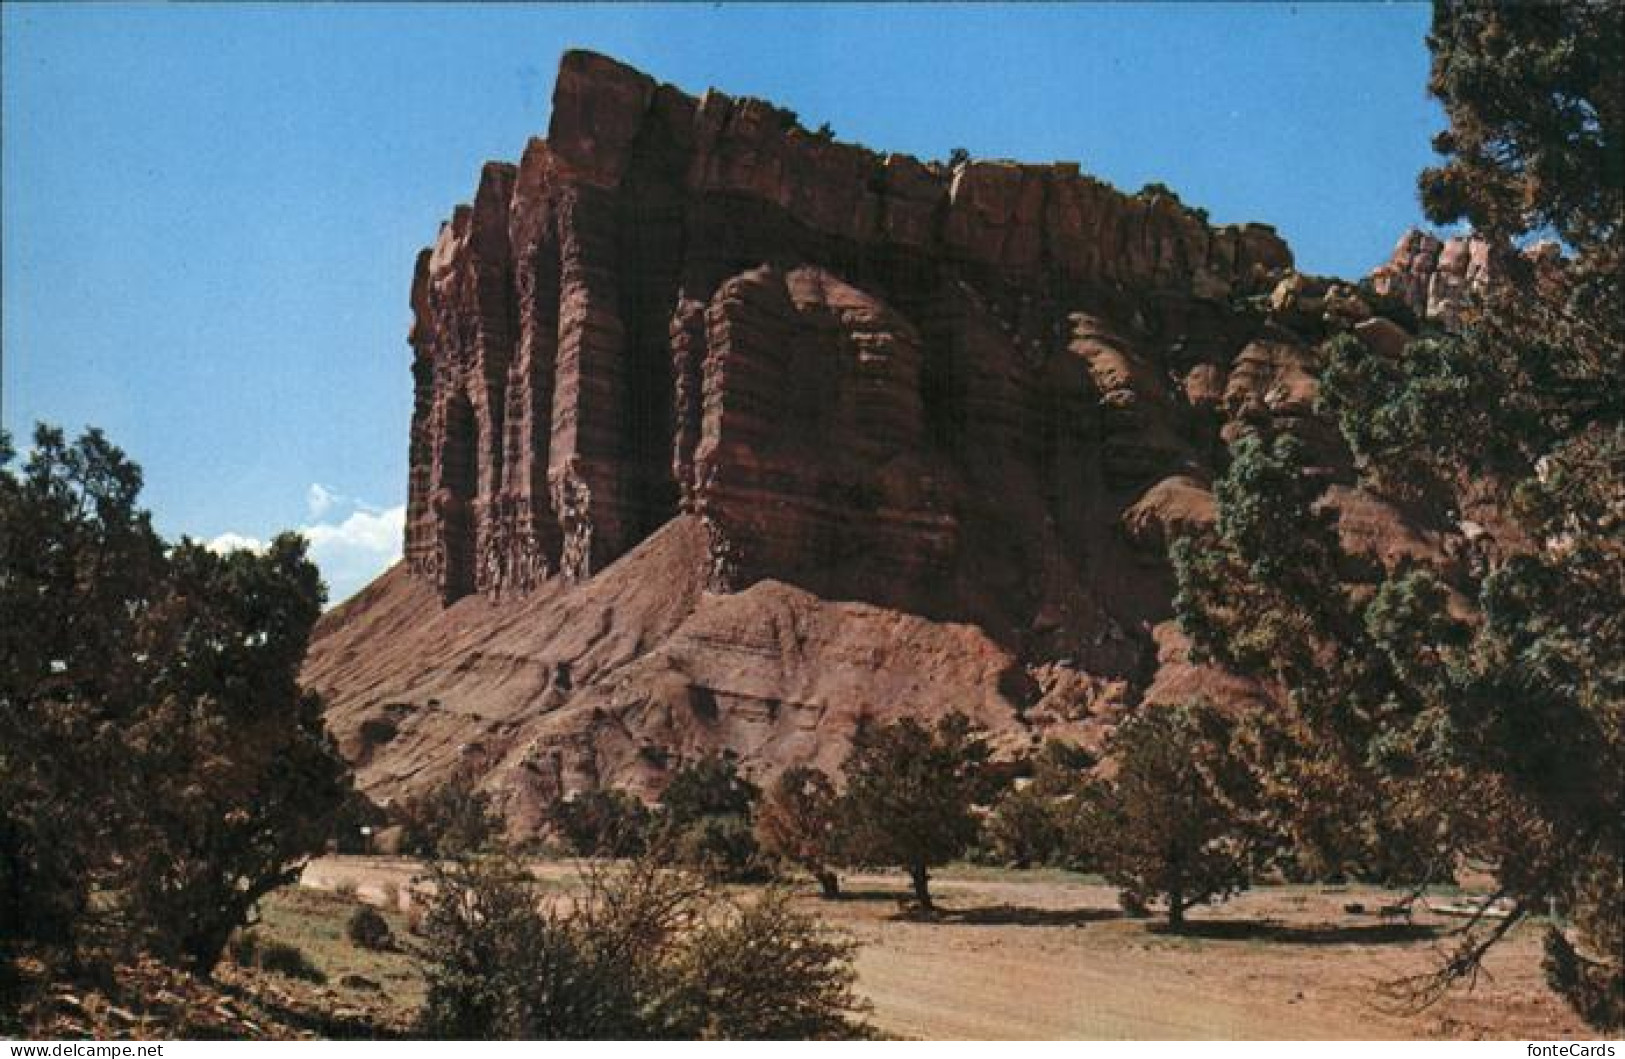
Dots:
{"x": 728, "y": 435}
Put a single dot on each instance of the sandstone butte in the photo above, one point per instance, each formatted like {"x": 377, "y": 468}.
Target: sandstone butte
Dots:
{"x": 729, "y": 436}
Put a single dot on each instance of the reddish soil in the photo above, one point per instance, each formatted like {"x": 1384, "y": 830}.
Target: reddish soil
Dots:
{"x": 1047, "y": 955}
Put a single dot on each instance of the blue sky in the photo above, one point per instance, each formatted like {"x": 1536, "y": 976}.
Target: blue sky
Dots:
{"x": 211, "y": 212}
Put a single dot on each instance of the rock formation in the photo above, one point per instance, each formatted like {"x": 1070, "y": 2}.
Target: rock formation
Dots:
{"x": 1435, "y": 277}
{"x": 727, "y": 434}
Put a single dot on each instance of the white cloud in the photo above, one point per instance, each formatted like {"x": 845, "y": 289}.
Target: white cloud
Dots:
{"x": 356, "y": 550}
{"x": 232, "y": 542}
{"x": 320, "y": 500}
{"x": 350, "y": 550}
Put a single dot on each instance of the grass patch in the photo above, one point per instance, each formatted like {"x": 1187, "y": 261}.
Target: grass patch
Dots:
{"x": 316, "y": 922}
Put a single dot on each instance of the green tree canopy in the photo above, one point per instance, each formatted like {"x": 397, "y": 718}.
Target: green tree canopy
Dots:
{"x": 797, "y": 821}
{"x": 1485, "y": 696}
{"x": 1176, "y": 819}
{"x": 909, "y": 793}
{"x": 156, "y": 751}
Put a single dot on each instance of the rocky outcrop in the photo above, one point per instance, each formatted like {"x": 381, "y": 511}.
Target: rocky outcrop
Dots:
{"x": 1436, "y": 277}
{"x": 727, "y": 435}
{"x": 676, "y": 305}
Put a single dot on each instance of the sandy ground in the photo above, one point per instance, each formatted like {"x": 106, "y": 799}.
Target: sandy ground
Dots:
{"x": 1046, "y": 955}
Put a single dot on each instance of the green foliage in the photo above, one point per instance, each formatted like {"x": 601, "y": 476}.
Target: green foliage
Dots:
{"x": 644, "y": 953}
{"x": 289, "y": 961}
{"x": 1176, "y": 820}
{"x": 156, "y": 750}
{"x": 723, "y": 847}
{"x": 1535, "y": 95}
{"x": 452, "y": 820}
{"x": 760, "y": 970}
{"x": 957, "y": 157}
{"x": 797, "y": 822}
{"x": 710, "y": 786}
{"x": 1382, "y": 406}
{"x": 79, "y": 562}
{"x": 367, "y": 929}
{"x": 603, "y": 823}
{"x": 1023, "y": 829}
{"x": 705, "y": 819}
{"x": 909, "y": 794}
{"x": 1043, "y": 821}
{"x": 1484, "y": 703}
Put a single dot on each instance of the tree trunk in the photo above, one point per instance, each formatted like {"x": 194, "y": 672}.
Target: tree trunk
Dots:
{"x": 922, "y": 883}
{"x": 828, "y": 883}
{"x": 1176, "y": 910}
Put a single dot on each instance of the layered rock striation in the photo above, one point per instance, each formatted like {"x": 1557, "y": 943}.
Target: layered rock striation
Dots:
{"x": 678, "y": 305}
{"x": 728, "y": 435}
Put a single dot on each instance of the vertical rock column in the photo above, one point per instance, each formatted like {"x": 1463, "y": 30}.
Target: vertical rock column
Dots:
{"x": 599, "y": 107}
{"x": 523, "y": 510}
{"x": 463, "y": 340}
{"x": 584, "y": 473}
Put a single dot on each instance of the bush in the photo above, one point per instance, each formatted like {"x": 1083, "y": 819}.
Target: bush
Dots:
{"x": 602, "y": 823}
{"x": 1022, "y": 830}
{"x": 161, "y": 768}
{"x": 711, "y": 786}
{"x": 1173, "y": 821}
{"x": 644, "y": 952}
{"x": 722, "y": 847}
{"x": 763, "y": 971}
{"x": 367, "y": 929}
{"x": 1043, "y": 820}
{"x": 451, "y": 820}
{"x": 706, "y": 820}
{"x": 797, "y": 823}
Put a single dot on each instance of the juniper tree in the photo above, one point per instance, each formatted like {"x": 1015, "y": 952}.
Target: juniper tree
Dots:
{"x": 909, "y": 794}
{"x": 1174, "y": 821}
{"x": 156, "y": 749}
{"x": 798, "y": 821}
{"x": 1496, "y": 687}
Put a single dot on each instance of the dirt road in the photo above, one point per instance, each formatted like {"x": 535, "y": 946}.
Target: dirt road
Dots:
{"x": 1045, "y": 955}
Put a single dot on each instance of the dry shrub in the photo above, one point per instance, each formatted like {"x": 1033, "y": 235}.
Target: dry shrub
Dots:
{"x": 643, "y": 952}
{"x": 367, "y": 929}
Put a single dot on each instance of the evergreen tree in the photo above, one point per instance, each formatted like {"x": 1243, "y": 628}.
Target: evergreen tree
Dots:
{"x": 909, "y": 794}
{"x": 1174, "y": 821}
{"x": 797, "y": 821}
{"x": 705, "y": 818}
{"x": 1488, "y": 699}
{"x": 156, "y": 750}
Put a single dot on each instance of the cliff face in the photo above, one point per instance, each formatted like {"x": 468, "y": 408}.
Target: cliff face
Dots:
{"x": 876, "y": 436}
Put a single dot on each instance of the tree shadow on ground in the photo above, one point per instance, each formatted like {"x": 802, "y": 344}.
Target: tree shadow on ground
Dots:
{"x": 1288, "y": 934}
{"x": 1006, "y": 916}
